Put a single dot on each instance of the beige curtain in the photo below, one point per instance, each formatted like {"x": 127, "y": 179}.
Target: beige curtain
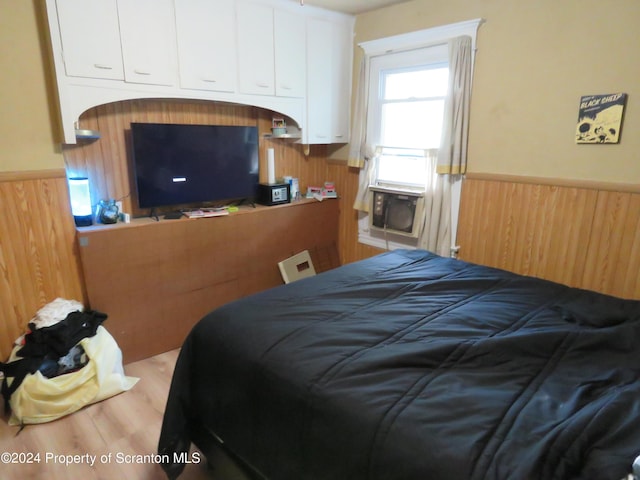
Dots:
{"x": 361, "y": 154}
{"x": 435, "y": 232}
{"x": 451, "y": 162}
{"x": 358, "y": 151}
{"x": 363, "y": 195}
{"x": 452, "y": 158}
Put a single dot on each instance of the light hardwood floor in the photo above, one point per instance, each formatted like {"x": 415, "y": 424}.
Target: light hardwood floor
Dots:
{"x": 125, "y": 425}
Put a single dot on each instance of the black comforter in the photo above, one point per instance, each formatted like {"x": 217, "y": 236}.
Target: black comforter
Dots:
{"x": 415, "y": 367}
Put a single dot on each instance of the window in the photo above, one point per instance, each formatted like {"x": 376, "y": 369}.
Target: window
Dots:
{"x": 406, "y": 105}
{"x": 401, "y": 99}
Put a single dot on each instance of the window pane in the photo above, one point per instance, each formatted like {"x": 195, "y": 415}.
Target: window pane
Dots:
{"x": 402, "y": 169}
{"x": 412, "y": 124}
{"x": 431, "y": 82}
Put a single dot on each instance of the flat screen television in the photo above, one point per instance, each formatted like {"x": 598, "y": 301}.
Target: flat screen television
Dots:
{"x": 194, "y": 164}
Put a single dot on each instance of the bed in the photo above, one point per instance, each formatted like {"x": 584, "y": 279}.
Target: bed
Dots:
{"x": 412, "y": 366}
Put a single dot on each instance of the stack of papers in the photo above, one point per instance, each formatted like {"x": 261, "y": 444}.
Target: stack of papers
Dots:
{"x": 206, "y": 213}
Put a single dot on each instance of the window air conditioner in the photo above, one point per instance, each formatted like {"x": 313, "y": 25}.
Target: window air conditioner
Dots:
{"x": 396, "y": 211}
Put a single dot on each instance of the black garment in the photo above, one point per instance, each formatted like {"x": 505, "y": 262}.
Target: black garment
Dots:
{"x": 48, "y": 343}
{"x": 58, "y": 339}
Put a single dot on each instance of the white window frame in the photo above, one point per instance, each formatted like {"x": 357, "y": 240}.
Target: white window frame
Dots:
{"x": 420, "y": 39}
{"x": 436, "y": 56}
{"x": 408, "y": 60}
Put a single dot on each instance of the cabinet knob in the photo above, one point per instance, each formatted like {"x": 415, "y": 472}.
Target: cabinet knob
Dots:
{"x": 262, "y": 85}
{"x": 209, "y": 80}
{"x": 141, "y": 72}
{"x": 102, "y": 66}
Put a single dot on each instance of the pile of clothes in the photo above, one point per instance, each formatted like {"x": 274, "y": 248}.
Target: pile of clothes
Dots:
{"x": 65, "y": 361}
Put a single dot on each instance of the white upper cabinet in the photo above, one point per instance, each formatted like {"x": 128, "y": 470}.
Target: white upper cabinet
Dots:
{"x": 271, "y": 50}
{"x": 329, "y": 52}
{"x": 147, "y": 32}
{"x": 272, "y": 54}
{"x": 206, "y": 32}
{"x": 342, "y": 78}
{"x": 90, "y": 38}
{"x": 256, "y": 68}
{"x": 290, "y": 54}
{"x": 319, "y": 81}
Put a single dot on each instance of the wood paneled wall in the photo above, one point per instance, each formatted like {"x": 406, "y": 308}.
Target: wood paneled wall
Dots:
{"x": 581, "y": 234}
{"x": 39, "y": 260}
{"x": 346, "y": 180}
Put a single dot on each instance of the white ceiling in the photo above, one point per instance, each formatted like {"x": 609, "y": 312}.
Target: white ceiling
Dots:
{"x": 351, "y": 6}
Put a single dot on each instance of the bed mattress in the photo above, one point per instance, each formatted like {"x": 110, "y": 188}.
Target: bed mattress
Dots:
{"x": 412, "y": 366}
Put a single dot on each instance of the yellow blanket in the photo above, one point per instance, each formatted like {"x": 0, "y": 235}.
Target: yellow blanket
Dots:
{"x": 40, "y": 399}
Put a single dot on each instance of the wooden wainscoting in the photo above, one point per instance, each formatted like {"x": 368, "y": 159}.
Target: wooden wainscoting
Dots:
{"x": 39, "y": 259}
{"x": 346, "y": 181}
{"x": 583, "y": 234}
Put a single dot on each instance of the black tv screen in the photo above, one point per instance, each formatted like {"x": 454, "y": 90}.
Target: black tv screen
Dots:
{"x": 187, "y": 164}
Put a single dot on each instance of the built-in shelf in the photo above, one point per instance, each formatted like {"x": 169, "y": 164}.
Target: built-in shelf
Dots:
{"x": 286, "y": 136}
{"x": 292, "y": 133}
{"x": 84, "y": 134}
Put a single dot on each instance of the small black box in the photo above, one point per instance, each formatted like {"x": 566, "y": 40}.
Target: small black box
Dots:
{"x": 274, "y": 193}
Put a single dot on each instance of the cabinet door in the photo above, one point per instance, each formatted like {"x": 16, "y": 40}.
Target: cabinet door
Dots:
{"x": 342, "y": 67}
{"x": 256, "y": 70}
{"x": 206, "y": 35}
{"x": 319, "y": 81}
{"x": 90, "y": 38}
{"x": 290, "y": 54}
{"x": 147, "y": 32}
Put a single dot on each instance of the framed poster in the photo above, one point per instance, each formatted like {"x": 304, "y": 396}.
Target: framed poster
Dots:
{"x": 600, "y": 118}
